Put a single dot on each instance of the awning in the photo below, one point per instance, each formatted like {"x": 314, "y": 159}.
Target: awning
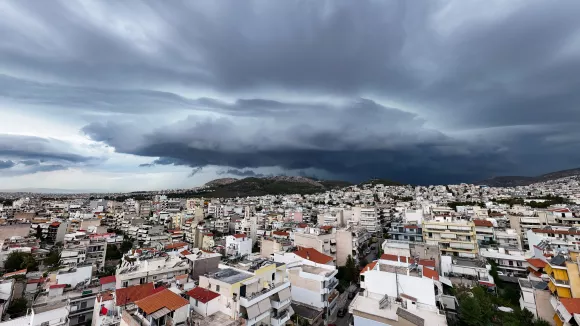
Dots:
{"x": 160, "y": 313}
{"x": 284, "y": 294}
{"x": 264, "y": 305}
{"x": 253, "y": 311}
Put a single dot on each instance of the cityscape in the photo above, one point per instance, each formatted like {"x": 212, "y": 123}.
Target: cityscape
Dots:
{"x": 289, "y": 163}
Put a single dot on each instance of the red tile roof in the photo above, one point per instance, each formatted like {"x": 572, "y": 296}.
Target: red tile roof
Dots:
{"x": 411, "y": 226}
{"x": 281, "y": 233}
{"x": 40, "y": 280}
{"x": 571, "y": 305}
{"x": 483, "y": 223}
{"x": 133, "y": 293}
{"x": 326, "y": 227}
{"x": 560, "y": 210}
{"x": 427, "y": 262}
{"x": 20, "y": 272}
{"x": 185, "y": 252}
{"x": 536, "y": 262}
{"x": 239, "y": 235}
{"x": 302, "y": 225}
{"x": 556, "y": 231}
{"x": 368, "y": 267}
{"x": 202, "y": 295}
{"x": 429, "y": 273}
{"x": 107, "y": 279}
{"x": 390, "y": 257}
{"x": 164, "y": 299}
{"x": 208, "y": 234}
{"x": 57, "y": 286}
{"x": 176, "y": 245}
{"x": 313, "y": 255}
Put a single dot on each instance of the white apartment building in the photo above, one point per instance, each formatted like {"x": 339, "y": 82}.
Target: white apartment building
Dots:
{"x": 509, "y": 239}
{"x": 369, "y": 219}
{"x": 509, "y": 262}
{"x": 313, "y": 280}
{"x": 396, "y": 293}
{"x": 153, "y": 268}
{"x": 257, "y": 292}
{"x": 559, "y": 238}
{"x": 82, "y": 249}
{"x": 238, "y": 245}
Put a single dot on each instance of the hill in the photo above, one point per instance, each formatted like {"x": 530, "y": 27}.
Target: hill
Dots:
{"x": 279, "y": 185}
{"x": 514, "y": 181}
{"x": 385, "y": 182}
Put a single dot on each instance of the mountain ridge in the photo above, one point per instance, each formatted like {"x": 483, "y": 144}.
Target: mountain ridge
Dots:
{"x": 514, "y": 181}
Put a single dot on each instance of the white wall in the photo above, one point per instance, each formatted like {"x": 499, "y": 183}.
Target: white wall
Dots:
{"x": 386, "y": 283}
{"x": 207, "y": 309}
{"x": 181, "y": 314}
{"x": 80, "y": 275}
{"x": 310, "y": 298}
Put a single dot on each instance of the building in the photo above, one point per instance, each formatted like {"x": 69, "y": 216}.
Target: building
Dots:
{"x": 369, "y": 219}
{"x": 201, "y": 262}
{"x": 484, "y": 231}
{"x": 536, "y": 298}
{"x": 84, "y": 249}
{"x": 161, "y": 308}
{"x": 454, "y": 238}
{"x": 322, "y": 239}
{"x": 149, "y": 267}
{"x": 411, "y": 233}
{"x": 256, "y": 292}
{"x": 509, "y": 262}
{"x": 238, "y": 245}
{"x": 313, "y": 280}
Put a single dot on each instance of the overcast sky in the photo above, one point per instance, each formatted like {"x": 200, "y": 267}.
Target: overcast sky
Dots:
{"x": 145, "y": 95}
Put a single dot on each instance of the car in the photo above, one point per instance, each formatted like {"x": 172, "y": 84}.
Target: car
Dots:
{"x": 342, "y": 312}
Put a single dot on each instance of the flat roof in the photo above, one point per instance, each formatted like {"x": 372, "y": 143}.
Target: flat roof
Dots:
{"x": 231, "y": 276}
{"x": 316, "y": 270}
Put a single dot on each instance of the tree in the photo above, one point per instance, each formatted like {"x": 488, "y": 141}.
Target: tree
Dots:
{"x": 126, "y": 246}
{"x": 20, "y": 260}
{"x": 470, "y": 312}
{"x": 17, "y": 308}
{"x": 52, "y": 259}
{"x": 38, "y": 232}
{"x": 350, "y": 271}
{"x": 113, "y": 253}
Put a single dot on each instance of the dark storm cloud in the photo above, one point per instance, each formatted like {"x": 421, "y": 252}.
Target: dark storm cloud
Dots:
{"x": 27, "y": 154}
{"x": 240, "y": 173}
{"x": 469, "y": 89}
{"x": 6, "y": 164}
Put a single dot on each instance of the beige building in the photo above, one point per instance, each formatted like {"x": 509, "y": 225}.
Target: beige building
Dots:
{"x": 454, "y": 237}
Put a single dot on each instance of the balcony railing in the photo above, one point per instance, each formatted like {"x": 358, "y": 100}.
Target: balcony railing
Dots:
{"x": 253, "y": 298}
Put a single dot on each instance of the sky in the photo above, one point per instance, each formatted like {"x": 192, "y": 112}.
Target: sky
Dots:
{"x": 149, "y": 95}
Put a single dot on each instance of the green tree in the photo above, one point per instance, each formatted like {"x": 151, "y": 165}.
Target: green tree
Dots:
{"x": 541, "y": 322}
{"x": 17, "y": 308}
{"x": 20, "y": 260}
{"x": 470, "y": 312}
{"x": 350, "y": 271}
{"x": 113, "y": 253}
{"x": 126, "y": 246}
{"x": 52, "y": 259}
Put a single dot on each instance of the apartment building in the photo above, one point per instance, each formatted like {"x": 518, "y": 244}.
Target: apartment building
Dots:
{"x": 313, "y": 280}
{"x": 558, "y": 238}
{"x": 269, "y": 246}
{"x": 454, "y": 237}
{"x": 352, "y": 241}
{"x": 201, "y": 262}
{"x": 149, "y": 267}
{"x": 509, "y": 239}
{"x": 322, "y": 239}
{"x": 536, "y": 298}
{"x": 369, "y": 219}
{"x": 257, "y": 292}
{"x": 83, "y": 249}
{"x": 522, "y": 224}
{"x": 238, "y": 245}
{"x": 509, "y": 262}
{"x": 162, "y": 308}
{"x": 406, "y": 232}
{"x": 398, "y": 292}
{"x": 484, "y": 230}
{"x": 77, "y": 302}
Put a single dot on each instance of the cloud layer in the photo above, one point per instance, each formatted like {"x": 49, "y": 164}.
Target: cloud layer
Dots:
{"x": 444, "y": 91}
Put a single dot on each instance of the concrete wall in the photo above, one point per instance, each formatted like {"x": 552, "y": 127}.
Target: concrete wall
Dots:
{"x": 207, "y": 309}
{"x": 343, "y": 246}
{"x": 387, "y": 283}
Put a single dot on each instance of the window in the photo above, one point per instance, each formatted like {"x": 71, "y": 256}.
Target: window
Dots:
{"x": 273, "y": 276}
{"x": 196, "y": 302}
{"x": 81, "y": 319}
{"x": 125, "y": 284}
{"x": 217, "y": 288}
{"x": 142, "y": 280}
{"x": 83, "y": 304}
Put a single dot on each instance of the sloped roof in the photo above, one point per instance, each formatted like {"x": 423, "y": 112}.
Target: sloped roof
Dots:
{"x": 536, "y": 262}
{"x": 429, "y": 273}
{"x": 107, "y": 279}
{"x": 133, "y": 293}
{"x": 368, "y": 267}
{"x": 313, "y": 255}
{"x": 164, "y": 299}
{"x": 482, "y": 223}
{"x": 202, "y": 295}
{"x": 572, "y": 305}
{"x": 239, "y": 235}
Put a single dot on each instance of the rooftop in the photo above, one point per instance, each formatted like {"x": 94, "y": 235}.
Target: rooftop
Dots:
{"x": 164, "y": 299}
{"x": 202, "y": 295}
{"x": 313, "y": 255}
{"x": 231, "y": 276}
{"x": 317, "y": 270}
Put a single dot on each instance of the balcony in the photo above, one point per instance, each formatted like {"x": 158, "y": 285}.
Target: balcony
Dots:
{"x": 280, "y": 318}
{"x": 560, "y": 283}
{"x": 254, "y": 298}
{"x": 280, "y": 304}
